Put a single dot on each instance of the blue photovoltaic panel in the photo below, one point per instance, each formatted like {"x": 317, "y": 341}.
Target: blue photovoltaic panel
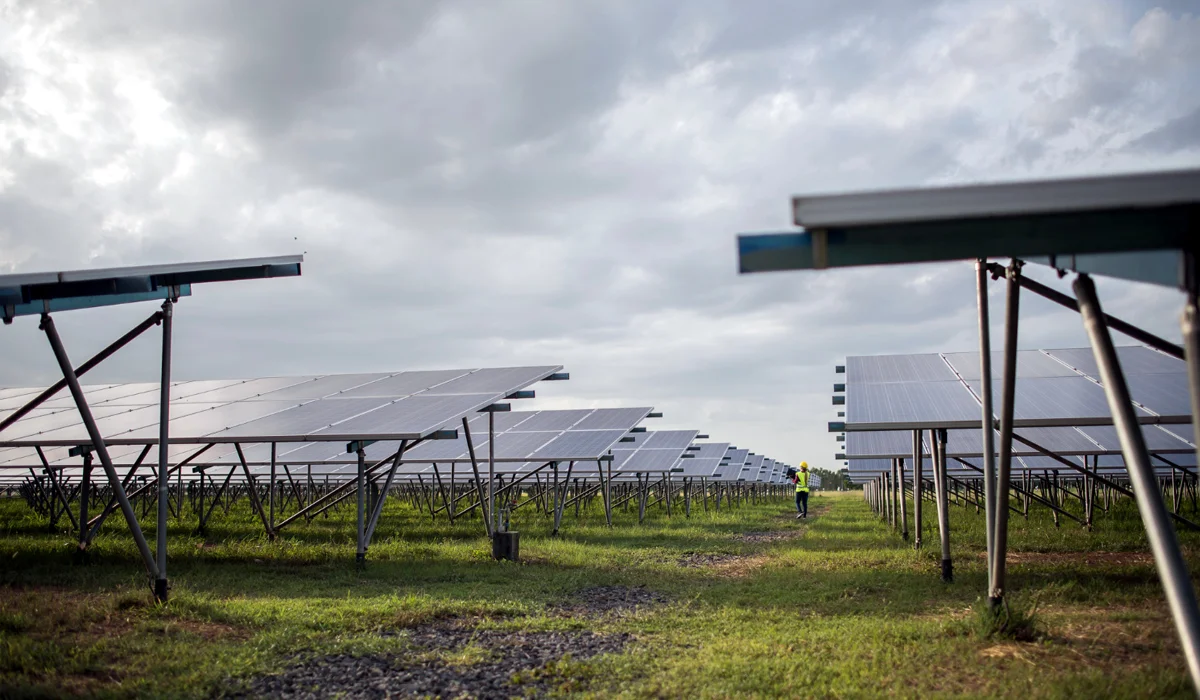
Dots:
{"x": 494, "y": 380}
{"x": 215, "y": 420}
{"x": 322, "y": 387}
{"x": 309, "y": 453}
{"x": 521, "y": 445}
{"x": 1134, "y": 359}
{"x": 41, "y": 421}
{"x": 711, "y": 450}
{"x": 583, "y": 444}
{"x": 670, "y": 439}
{"x": 406, "y": 383}
{"x": 504, "y": 420}
{"x": 613, "y": 418}
{"x": 553, "y": 420}
{"x": 1049, "y": 398}
{"x": 1063, "y": 441}
{"x": 1030, "y": 363}
{"x": 910, "y": 402}
{"x": 890, "y": 443}
{"x": 653, "y": 461}
{"x": 638, "y": 440}
{"x": 302, "y": 420}
{"x": 413, "y": 415}
{"x": 736, "y": 458}
{"x": 1156, "y": 439}
{"x": 1182, "y": 430}
{"x": 140, "y": 394}
{"x": 434, "y": 450}
{"x": 897, "y": 368}
{"x": 1165, "y": 394}
{"x": 253, "y": 389}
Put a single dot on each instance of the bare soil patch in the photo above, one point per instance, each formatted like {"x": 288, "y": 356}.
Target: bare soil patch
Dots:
{"x": 610, "y": 600}
{"x": 491, "y": 664}
{"x": 769, "y": 536}
{"x": 698, "y": 560}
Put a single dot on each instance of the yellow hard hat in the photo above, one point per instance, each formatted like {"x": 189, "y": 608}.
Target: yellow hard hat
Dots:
{"x": 804, "y": 465}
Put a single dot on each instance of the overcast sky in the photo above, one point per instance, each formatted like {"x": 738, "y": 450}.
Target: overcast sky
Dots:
{"x": 493, "y": 183}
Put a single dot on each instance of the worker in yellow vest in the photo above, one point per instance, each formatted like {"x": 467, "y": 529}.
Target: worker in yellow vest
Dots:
{"x": 801, "y": 481}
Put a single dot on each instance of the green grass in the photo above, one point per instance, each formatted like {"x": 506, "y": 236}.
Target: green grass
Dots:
{"x": 845, "y": 609}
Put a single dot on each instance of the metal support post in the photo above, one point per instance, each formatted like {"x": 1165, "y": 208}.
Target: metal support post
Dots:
{"x": 360, "y": 556}
{"x": 918, "y": 488}
{"x": 941, "y": 486}
{"x": 271, "y": 497}
{"x": 985, "y": 396}
{"x": 900, "y": 493}
{"x": 85, "y": 413}
{"x": 1172, "y": 570}
{"x": 85, "y": 487}
{"x": 607, "y": 491}
{"x": 491, "y": 510}
{"x": 487, "y": 518}
{"x": 164, "y": 418}
{"x": 999, "y": 553}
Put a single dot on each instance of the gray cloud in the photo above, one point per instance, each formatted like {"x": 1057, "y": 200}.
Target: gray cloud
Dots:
{"x": 1182, "y": 133}
{"x": 552, "y": 182}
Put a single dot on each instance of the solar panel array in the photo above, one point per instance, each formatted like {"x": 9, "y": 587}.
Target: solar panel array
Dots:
{"x": 329, "y": 408}
{"x": 887, "y": 397}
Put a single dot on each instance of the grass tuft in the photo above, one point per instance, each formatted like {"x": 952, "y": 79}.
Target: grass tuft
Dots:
{"x": 1013, "y": 620}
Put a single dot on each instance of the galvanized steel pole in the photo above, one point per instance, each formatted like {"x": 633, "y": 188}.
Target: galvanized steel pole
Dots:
{"x": 360, "y": 556}
{"x": 1172, "y": 570}
{"x": 985, "y": 397}
{"x": 492, "y": 471}
{"x": 85, "y": 413}
{"x": 943, "y": 501}
{"x": 164, "y": 487}
{"x": 1008, "y": 389}
{"x": 918, "y": 487}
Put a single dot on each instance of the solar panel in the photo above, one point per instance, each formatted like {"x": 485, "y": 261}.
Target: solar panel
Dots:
{"x": 411, "y": 416}
{"x": 1134, "y": 359}
{"x": 897, "y": 368}
{"x": 214, "y": 420}
{"x": 405, "y": 383}
{"x": 41, "y": 421}
{"x": 1164, "y": 394}
{"x": 552, "y": 420}
{"x": 670, "y": 439}
{"x": 252, "y": 389}
{"x": 654, "y": 461}
{"x": 579, "y": 444}
{"x": 892, "y": 443}
{"x": 1048, "y": 398}
{"x": 1030, "y": 363}
{"x": 142, "y": 394}
{"x": 910, "y": 402}
{"x": 301, "y": 420}
{"x": 322, "y": 387}
{"x": 497, "y": 380}
{"x": 1156, "y": 439}
{"x": 611, "y": 419}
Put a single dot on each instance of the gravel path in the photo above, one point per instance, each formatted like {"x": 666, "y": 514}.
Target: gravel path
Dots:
{"x": 509, "y": 655}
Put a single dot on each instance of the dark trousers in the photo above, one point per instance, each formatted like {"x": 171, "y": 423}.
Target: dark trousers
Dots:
{"x": 802, "y": 502}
